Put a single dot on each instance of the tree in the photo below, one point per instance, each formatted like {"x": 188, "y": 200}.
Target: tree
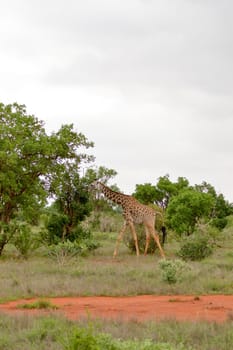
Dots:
{"x": 185, "y": 204}
{"x": 72, "y": 203}
{"x": 146, "y": 193}
{"x": 104, "y": 175}
{"x": 162, "y": 192}
{"x": 167, "y": 189}
{"x": 185, "y": 209}
{"x": 31, "y": 162}
{"x": 221, "y": 208}
{"x": 101, "y": 173}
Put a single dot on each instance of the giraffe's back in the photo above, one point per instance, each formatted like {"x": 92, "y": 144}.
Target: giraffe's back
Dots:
{"x": 139, "y": 213}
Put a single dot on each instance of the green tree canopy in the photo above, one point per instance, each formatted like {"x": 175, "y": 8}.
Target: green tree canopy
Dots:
{"x": 31, "y": 162}
{"x": 187, "y": 208}
{"x": 185, "y": 204}
{"x": 221, "y": 208}
{"x": 162, "y": 192}
{"x": 146, "y": 193}
{"x": 72, "y": 198}
{"x": 103, "y": 174}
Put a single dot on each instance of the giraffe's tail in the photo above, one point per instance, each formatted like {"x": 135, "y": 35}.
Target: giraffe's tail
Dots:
{"x": 163, "y": 228}
{"x": 164, "y": 232}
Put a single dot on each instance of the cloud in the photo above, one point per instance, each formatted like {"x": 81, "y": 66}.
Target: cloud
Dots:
{"x": 150, "y": 82}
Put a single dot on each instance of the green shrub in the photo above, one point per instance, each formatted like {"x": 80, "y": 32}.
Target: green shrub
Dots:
{"x": 64, "y": 251}
{"x": 172, "y": 270}
{"x": 39, "y": 304}
{"x": 86, "y": 339}
{"x": 107, "y": 221}
{"x": 55, "y": 226}
{"x": 195, "y": 248}
{"x": 220, "y": 223}
{"x": 24, "y": 240}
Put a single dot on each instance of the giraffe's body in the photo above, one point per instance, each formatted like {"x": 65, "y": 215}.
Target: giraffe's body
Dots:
{"x": 133, "y": 212}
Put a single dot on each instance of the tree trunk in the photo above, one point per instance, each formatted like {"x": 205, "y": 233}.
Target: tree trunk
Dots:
{"x": 3, "y": 241}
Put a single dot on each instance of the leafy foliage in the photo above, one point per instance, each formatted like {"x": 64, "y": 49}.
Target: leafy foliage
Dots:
{"x": 72, "y": 204}
{"x": 172, "y": 270}
{"x": 146, "y": 193}
{"x": 187, "y": 208}
{"x": 32, "y": 162}
{"x": 39, "y": 304}
{"x": 195, "y": 248}
{"x": 87, "y": 339}
{"x": 161, "y": 193}
{"x": 55, "y": 225}
{"x": 24, "y": 239}
{"x": 185, "y": 204}
{"x": 65, "y": 251}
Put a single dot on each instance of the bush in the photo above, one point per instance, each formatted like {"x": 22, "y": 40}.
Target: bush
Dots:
{"x": 86, "y": 339}
{"x": 64, "y": 251}
{"x": 172, "y": 270}
{"x": 105, "y": 221}
{"x": 80, "y": 233}
{"x": 220, "y": 223}
{"x": 195, "y": 248}
{"x": 55, "y": 225}
{"x": 24, "y": 240}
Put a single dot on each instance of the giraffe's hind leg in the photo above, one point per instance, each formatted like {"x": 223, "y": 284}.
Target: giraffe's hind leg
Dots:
{"x": 156, "y": 239}
{"x": 147, "y": 240}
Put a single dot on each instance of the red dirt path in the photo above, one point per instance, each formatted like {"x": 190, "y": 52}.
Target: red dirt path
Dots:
{"x": 216, "y": 308}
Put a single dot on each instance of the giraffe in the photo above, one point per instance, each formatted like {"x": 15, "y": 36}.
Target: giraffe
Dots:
{"x": 133, "y": 212}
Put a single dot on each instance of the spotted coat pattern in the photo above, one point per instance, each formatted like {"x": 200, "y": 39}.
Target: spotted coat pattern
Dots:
{"x": 133, "y": 212}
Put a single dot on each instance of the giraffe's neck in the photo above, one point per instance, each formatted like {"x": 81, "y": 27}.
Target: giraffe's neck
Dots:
{"x": 116, "y": 197}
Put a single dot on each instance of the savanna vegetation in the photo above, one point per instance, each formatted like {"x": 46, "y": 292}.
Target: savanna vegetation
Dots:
{"x": 57, "y": 239}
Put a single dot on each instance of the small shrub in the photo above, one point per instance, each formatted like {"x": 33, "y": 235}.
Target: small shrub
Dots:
{"x": 86, "y": 339}
{"x": 220, "y": 223}
{"x": 64, "y": 251}
{"x": 104, "y": 221}
{"x": 172, "y": 270}
{"x": 55, "y": 227}
{"x": 80, "y": 233}
{"x": 40, "y": 304}
{"x": 24, "y": 240}
{"x": 195, "y": 248}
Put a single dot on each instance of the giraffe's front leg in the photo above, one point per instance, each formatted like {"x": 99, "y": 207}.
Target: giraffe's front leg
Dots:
{"x": 131, "y": 225}
{"x": 119, "y": 238}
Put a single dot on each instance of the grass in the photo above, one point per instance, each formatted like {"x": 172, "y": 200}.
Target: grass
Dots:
{"x": 100, "y": 274}
{"x": 34, "y": 333}
{"x": 39, "y": 304}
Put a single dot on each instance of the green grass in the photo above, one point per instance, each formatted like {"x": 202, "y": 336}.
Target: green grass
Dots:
{"x": 43, "y": 333}
{"x": 100, "y": 274}
{"x": 39, "y": 304}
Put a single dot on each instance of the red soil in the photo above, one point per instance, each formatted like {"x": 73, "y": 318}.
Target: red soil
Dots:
{"x": 216, "y": 308}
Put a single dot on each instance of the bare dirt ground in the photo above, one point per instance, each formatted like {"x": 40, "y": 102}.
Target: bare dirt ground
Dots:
{"x": 217, "y": 308}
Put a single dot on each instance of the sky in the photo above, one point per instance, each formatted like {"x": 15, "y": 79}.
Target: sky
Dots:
{"x": 149, "y": 82}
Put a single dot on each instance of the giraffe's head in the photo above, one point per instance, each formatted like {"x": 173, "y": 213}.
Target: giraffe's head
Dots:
{"x": 95, "y": 186}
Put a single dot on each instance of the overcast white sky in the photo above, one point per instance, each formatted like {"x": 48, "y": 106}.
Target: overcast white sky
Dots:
{"x": 150, "y": 82}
